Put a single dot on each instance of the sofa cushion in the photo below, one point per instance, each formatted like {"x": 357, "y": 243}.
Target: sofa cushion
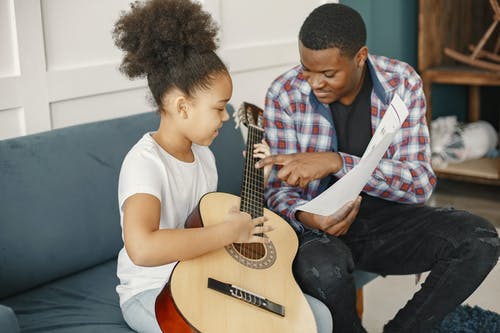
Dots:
{"x": 84, "y": 302}
{"x": 228, "y": 150}
{"x": 8, "y": 320}
{"x": 58, "y": 207}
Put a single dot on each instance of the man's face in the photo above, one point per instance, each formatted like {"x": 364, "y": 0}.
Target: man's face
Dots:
{"x": 333, "y": 77}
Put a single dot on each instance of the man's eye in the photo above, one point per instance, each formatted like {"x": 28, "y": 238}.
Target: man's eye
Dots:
{"x": 329, "y": 75}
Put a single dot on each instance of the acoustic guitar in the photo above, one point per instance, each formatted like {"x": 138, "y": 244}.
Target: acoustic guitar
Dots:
{"x": 242, "y": 287}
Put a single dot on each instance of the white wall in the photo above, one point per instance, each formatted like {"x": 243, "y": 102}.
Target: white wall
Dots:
{"x": 58, "y": 63}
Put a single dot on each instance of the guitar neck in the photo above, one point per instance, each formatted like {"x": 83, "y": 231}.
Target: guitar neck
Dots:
{"x": 252, "y": 185}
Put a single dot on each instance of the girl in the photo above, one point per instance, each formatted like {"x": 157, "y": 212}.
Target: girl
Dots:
{"x": 172, "y": 44}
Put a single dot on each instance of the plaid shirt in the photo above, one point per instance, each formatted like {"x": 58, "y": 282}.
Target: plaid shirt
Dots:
{"x": 295, "y": 121}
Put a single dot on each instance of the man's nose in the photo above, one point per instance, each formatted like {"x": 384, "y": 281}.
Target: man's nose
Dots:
{"x": 316, "y": 81}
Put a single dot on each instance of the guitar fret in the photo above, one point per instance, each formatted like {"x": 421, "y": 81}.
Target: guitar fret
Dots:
{"x": 252, "y": 192}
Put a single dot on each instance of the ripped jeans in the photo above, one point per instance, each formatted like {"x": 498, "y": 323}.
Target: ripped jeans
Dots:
{"x": 458, "y": 248}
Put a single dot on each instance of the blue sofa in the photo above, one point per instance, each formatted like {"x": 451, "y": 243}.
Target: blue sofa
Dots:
{"x": 59, "y": 223}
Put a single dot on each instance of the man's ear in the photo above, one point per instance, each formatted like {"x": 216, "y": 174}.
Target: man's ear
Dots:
{"x": 361, "y": 56}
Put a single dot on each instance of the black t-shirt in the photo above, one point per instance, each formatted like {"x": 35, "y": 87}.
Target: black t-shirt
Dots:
{"x": 353, "y": 122}
{"x": 354, "y": 131}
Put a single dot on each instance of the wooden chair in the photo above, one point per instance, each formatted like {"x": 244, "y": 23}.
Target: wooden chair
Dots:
{"x": 492, "y": 59}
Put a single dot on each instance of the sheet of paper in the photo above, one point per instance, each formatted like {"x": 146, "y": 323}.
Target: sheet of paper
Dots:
{"x": 348, "y": 187}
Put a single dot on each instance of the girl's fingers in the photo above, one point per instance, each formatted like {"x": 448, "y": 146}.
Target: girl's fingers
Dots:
{"x": 258, "y": 239}
{"x": 262, "y": 230}
{"x": 259, "y": 155}
{"x": 260, "y": 148}
{"x": 259, "y": 220}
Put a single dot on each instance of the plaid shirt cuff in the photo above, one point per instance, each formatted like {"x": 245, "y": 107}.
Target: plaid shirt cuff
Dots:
{"x": 292, "y": 217}
{"x": 348, "y": 161}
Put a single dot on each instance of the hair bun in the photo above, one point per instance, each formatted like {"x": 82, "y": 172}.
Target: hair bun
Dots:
{"x": 160, "y": 33}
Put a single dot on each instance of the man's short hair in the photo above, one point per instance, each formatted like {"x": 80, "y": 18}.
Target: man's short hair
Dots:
{"x": 334, "y": 25}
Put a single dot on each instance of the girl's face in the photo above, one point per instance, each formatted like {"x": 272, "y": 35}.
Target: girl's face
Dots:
{"x": 207, "y": 110}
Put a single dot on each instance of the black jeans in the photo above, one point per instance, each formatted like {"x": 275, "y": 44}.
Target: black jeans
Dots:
{"x": 458, "y": 248}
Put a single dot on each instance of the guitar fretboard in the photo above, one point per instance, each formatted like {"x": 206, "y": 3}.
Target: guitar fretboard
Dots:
{"x": 252, "y": 185}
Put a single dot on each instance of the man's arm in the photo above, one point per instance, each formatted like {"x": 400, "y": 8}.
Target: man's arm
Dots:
{"x": 404, "y": 174}
{"x": 295, "y": 181}
{"x": 280, "y": 133}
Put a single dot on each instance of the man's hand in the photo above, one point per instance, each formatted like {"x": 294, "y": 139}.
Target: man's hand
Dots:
{"x": 301, "y": 168}
{"x": 336, "y": 224}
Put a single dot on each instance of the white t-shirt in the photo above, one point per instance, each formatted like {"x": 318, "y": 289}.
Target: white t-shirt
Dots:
{"x": 178, "y": 185}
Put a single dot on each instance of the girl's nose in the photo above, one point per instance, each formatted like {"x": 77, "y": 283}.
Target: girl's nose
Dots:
{"x": 225, "y": 115}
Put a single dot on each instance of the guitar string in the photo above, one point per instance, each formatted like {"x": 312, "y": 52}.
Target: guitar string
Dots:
{"x": 249, "y": 192}
{"x": 245, "y": 180}
{"x": 252, "y": 192}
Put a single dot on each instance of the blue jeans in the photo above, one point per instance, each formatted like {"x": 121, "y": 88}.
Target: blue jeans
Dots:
{"x": 458, "y": 248}
{"x": 139, "y": 313}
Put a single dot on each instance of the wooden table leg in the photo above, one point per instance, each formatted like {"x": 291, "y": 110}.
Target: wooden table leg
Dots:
{"x": 359, "y": 302}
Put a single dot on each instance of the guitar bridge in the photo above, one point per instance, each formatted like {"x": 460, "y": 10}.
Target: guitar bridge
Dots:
{"x": 246, "y": 296}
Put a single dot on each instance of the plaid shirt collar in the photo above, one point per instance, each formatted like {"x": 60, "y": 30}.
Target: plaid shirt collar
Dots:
{"x": 384, "y": 84}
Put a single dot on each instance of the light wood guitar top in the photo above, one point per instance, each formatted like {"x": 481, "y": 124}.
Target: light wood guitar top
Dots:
{"x": 210, "y": 311}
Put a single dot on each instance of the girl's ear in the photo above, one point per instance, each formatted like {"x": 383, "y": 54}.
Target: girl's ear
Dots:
{"x": 182, "y": 106}
{"x": 175, "y": 103}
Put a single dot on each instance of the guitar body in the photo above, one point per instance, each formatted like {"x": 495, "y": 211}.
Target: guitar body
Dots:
{"x": 187, "y": 304}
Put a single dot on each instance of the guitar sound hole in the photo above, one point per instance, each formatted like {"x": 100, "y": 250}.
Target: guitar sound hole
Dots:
{"x": 252, "y": 251}
{"x": 253, "y": 255}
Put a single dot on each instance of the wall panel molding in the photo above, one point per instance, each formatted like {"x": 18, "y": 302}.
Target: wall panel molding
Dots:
{"x": 265, "y": 55}
{"x": 32, "y": 82}
{"x": 9, "y": 57}
{"x": 86, "y": 81}
{"x": 12, "y": 121}
{"x": 81, "y": 87}
{"x": 9, "y": 86}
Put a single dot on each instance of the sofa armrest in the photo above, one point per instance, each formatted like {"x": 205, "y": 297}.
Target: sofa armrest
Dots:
{"x": 8, "y": 320}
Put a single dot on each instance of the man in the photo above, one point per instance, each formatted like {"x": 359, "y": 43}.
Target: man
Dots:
{"x": 319, "y": 118}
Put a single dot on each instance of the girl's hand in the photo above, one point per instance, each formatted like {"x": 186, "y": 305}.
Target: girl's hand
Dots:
{"x": 244, "y": 229}
{"x": 262, "y": 150}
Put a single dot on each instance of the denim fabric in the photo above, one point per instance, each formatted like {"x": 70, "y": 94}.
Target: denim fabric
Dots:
{"x": 322, "y": 315}
{"x": 139, "y": 312}
{"x": 458, "y": 248}
{"x": 140, "y": 315}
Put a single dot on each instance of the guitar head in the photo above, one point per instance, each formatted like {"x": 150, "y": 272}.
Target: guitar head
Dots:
{"x": 249, "y": 114}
